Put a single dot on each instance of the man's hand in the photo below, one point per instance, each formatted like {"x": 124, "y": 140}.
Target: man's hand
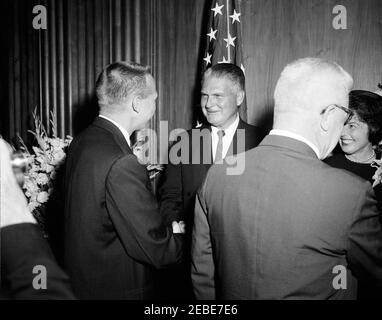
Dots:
{"x": 13, "y": 205}
{"x": 178, "y": 227}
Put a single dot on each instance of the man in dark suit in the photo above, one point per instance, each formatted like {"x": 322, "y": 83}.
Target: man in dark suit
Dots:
{"x": 290, "y": 226}
{"x": 28, "y": 268}
{"x": 114, "y": 235}
{"x": 223, "y": 91}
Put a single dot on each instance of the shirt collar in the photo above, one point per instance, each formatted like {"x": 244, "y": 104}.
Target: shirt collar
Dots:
{"x": 123, "y": 130}
{"x": 296, "y": 136}
{"x": 230, "y": 131}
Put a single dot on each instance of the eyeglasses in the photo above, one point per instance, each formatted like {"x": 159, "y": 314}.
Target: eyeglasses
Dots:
{"x": 346, "y": 110}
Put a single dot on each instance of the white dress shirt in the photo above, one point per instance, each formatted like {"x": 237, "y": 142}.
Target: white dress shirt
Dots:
{"x": 123, "y": 130}
{"x": 227, "y": 138}
{"x": 295, "y": 136}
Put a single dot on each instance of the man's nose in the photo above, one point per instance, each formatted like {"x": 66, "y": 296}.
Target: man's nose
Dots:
{"x": 210, "y": 102}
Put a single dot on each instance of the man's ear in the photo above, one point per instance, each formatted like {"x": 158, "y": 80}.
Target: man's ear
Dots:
{"x": 135, "y": 104}
{"x": 326, "y": 118}
{"x": 240, "y": 97}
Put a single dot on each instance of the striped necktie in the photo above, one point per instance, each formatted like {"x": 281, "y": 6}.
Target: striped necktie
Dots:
{"x": 219, "y": 148}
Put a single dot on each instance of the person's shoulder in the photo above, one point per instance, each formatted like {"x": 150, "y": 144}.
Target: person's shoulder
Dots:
{"x": 251, "y": 130}
{"x": 253, "y": 134}
{"x": 335, "y": 168}
{"x": 336, "y": 160}
{"x": 98, "y": 137}
{"x": 248, "y": 126}
{"x": 96, "y": 144}
{"x": 342, "y": 177}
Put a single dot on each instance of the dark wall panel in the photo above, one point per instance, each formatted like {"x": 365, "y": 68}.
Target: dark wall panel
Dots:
{"x": 278, "y": 32}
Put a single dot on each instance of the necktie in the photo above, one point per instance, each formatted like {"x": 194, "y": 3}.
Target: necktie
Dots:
{"x": 219, "y": 148}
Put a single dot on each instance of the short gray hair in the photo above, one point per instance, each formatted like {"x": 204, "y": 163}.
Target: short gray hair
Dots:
{"x": 299, "y": 74}
{"x": 229, "y": 71}
{"x": 121, "y": 80}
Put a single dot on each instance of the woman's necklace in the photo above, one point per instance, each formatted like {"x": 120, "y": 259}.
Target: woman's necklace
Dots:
{"x": 364, "y": 161}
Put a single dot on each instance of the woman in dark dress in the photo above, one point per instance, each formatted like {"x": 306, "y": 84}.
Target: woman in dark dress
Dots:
{"x": 359, "y": 142}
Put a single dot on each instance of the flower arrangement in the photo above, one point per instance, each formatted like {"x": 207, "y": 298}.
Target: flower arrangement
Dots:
{"x": 43, "y": 163}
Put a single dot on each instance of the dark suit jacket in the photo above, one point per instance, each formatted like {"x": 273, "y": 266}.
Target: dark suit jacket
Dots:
{"x": 114, "y": 234}
{"x": 22, "y": 248}
{"x": 278, "y": 230}
{"x": 181, "y": 181}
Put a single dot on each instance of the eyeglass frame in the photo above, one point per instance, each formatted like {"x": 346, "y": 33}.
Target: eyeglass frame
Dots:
{"x": 349, "y": 112}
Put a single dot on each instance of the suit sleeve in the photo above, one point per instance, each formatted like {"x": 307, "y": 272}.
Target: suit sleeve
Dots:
{"x": 22, "y": 249}
{"x": 135, "y": 215}
{"x": 202, "y": 267}
{"x": 170, "y": 193}
{"x": 365, "y": 238}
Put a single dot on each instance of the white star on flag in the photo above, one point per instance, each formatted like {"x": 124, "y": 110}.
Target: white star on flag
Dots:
{"x": 235, "y": 16}
{"x": 212, "y": 34}
{"x": 224, "y": 60}
{"x": 223, "y": 37}
{"x": 207, "y": 59}
{"x": 230, "y": 41}
{"x": 217, "y": 9}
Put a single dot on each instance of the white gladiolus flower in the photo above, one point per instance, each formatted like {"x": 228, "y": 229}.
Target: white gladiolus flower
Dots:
{"x": 30, "y": 185}
{"x": 34, "y": 197}
{"x": 42, "y": 179}
{"x": 58, "y": 157}
{"x": 57, "y": 143}
{"x": 42, "y": 197}
{"x": 33, "y": 205}
{"x": 53, "y": 175}
{"x": 41, "y": 160}
{"x": 47, "y": 156}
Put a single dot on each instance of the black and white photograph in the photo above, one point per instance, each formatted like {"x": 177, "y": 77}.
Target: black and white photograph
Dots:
{"x": 191, "y": 154}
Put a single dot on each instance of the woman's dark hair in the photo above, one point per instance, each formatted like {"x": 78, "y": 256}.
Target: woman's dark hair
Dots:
{"x": 368, "y": 107}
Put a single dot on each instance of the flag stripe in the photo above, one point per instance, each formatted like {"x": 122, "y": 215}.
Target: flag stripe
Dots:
{"x": 227, "y": 47}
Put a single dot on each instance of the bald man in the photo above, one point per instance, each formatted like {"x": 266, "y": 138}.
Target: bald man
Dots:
{"x": 289, "y": 227}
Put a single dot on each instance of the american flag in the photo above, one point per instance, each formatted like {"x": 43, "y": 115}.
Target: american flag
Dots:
{"x": 224, "y": 40}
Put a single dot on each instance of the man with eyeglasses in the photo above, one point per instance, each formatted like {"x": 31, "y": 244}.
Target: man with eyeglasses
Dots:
{"x": 290, "y": 227}
{"x": 346, "y": 110}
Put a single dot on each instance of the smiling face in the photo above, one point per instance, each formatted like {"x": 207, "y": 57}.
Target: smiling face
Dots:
{"x": 333, "y": 116}
{"x": 355, "y": 137}
{"x": 220, "y": 99}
